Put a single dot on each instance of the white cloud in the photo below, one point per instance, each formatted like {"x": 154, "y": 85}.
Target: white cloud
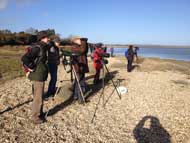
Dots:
{"x": 3, "y": 4}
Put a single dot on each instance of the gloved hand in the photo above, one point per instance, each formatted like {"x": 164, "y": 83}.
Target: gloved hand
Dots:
{"x": 98, "y": 62}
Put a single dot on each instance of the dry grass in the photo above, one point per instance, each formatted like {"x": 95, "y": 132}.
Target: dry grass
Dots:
{"x": 10, "y": 68}
{"x": 11, "y": 50}
{"x": 10, "y": 65}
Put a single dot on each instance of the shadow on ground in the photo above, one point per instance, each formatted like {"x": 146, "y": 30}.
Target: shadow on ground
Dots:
{"x": 16, "y": 106}
{"x": 91, "y": 90}
{"x": 149, "y": 130}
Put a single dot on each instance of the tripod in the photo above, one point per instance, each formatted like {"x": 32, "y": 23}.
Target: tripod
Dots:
{"x": 73, "y": 72}
{"x": 103, "y": 87}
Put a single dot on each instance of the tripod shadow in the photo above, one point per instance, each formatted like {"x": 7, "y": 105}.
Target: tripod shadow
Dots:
{"x": 16, "y": 106}
{"x": 94, "y": 88}
{"x": 60, "y": 106}
{"x": 90, "y": 87}
{"x": 89, "y": 77}
{"x": 155, "y": 133}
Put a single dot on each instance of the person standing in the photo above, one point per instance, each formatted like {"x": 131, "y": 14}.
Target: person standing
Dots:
{"x": 111, "y": 51}
{"x": 135, "y": 53}
{"x": 39, "y": 76}
{"x": 98, "y": 61}
{"x": 53, "y": 62}
{"x": 92, "y": 48}
{"x": 80, "y": 67}
{"x": 129, "y": 54}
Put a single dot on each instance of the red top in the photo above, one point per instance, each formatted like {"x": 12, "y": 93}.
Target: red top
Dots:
{"x": 98, "y": 58}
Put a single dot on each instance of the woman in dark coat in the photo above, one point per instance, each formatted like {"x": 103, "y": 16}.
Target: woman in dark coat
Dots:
{"x": 129, "y": 54}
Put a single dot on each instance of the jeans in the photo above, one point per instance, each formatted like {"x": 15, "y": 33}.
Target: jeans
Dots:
{"x": 53, "y": 73}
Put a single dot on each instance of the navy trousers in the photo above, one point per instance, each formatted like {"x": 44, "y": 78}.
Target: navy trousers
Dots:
{"x": 53, "y": 73}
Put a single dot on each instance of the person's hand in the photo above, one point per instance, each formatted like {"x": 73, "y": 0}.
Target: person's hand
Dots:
{"x": 58, "y": 62}
{"x": 30, "y": 70}
{"x": 98, "y": 62}
{"x": 27, "y": 74}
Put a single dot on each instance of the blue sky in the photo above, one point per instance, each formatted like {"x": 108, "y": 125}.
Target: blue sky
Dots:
{"x": 164, "y": 22}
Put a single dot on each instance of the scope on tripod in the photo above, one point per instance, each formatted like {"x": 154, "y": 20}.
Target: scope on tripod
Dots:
{"x": 106, "y": 55}
{"x": 66, "y": 53}
{"x": 105, "y": 61}
{"x": 69, "y": 53}
{"x": 68, "y": 59}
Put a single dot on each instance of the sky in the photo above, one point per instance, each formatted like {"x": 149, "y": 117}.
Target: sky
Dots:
{"x": 163, "y": 22}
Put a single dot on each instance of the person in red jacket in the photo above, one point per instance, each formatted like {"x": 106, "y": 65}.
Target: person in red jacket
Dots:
{"x": 98, "y": 61}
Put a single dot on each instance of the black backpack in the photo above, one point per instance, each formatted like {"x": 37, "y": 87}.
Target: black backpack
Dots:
{"x": 31, "y": 57}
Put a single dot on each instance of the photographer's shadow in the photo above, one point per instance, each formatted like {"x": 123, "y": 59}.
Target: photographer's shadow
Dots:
{"x": 154, "y": 133}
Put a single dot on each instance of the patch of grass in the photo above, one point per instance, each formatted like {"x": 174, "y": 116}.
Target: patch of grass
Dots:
{"x": 10, "y": 68}
{"x": 11, "y": 50}
{"x": 10, "y": 65}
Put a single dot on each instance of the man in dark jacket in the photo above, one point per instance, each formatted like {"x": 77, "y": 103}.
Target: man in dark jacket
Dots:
{"x": 39, "y": 76}
{"x": 53, "y": 62}
{"x": 129, "y": 54}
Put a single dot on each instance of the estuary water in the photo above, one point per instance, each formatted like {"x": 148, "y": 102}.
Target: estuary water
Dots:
{"x": 163, "y": 53}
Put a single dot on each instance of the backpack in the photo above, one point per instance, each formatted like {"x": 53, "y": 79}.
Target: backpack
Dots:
{"x": 126, "y": 53}
{"x": 31, "y": 57}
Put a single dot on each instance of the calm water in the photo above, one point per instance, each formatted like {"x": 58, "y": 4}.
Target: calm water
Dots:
{"x": 163, "y": 53}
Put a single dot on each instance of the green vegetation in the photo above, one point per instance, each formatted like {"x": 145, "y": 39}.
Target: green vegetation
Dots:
{"x": 21, "y": 38}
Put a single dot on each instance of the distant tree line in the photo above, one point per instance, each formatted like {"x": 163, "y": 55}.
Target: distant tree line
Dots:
{"x": 21, "y": 38}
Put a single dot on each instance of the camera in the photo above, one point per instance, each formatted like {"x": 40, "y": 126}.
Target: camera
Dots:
{"x": 105, "y": 61}
{"x": 104, "y": 56}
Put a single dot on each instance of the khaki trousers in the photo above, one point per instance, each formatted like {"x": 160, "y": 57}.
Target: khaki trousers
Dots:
{"x": 37, "y": 105}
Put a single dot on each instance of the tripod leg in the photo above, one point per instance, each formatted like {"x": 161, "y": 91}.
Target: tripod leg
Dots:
{"x": 78, "y": 83}
{"x": 103, "y": 84}
{"x": 71, "y": 73}
{"x": 118, "y": 93}
{"x": 96, "y": 109}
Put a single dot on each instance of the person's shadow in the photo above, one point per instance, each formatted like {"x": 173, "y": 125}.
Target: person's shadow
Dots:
{"x": 154, "y": 133}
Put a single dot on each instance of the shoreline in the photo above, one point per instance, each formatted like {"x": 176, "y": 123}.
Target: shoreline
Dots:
{"x": 148, "y": 46}
{"x": 169, "y": 59}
